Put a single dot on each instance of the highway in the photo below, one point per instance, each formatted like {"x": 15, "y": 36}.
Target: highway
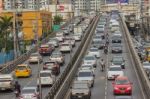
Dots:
{"x": 32, "y": 81}
{"x": 103, "y": 88}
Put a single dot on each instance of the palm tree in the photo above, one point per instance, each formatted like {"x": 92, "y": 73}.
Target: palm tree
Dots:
{"x": 5, "y": 27}
{"x": 58, "y": 19}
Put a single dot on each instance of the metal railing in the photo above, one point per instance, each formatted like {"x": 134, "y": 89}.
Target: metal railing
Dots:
{"x": 10, "y": 66}
{"x": 58, "y": 90}
{"x": 138, "y": 66}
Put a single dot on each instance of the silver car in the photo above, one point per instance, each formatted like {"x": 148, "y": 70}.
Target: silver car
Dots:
{"x": 29, "y": 93}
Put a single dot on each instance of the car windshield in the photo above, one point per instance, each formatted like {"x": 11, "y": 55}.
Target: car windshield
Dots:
{"x": 56, "y": 55}
{"x": 45, "y": 74}
{"x": 85, "y": 74}
{"x": 89, "y": 58}
{"x": 80, "y": 86}
{"x": 25, "y": 91}
{"x": 121, "y": 81}
{"x": 93, "y": 50}
{"x": 117, "y": 59}
{"x": 21, "y": 67}
{"x": 146, "y": 64}
{"x": 35, "y": 54}
{"x": 115, "y": 68}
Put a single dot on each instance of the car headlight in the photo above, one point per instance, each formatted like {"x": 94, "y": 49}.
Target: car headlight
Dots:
{"x": 116, "y": 88}
{"x": 129, "y": 88}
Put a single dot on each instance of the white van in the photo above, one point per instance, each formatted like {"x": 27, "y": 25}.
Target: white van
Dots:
{"x": 115, "y": 26}
{"x": 7, "y": 82}
{"x": 46, "y": 78}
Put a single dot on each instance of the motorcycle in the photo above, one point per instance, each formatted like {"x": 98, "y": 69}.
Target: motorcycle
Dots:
{"x": 17, "y": 93}
{"x": 105, "y": 51}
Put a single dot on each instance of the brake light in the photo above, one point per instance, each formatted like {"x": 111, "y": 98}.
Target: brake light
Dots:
{"x": 34, "y": 95}
{"x": 16, "y": 70}
{"x": 27, "y": 70}
{"x": 45, "y": 66}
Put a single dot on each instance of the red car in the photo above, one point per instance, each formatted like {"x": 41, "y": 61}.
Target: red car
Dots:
{"x": 53, "y": 66}
{"x": 122, "y": 85}
{"x": 45, "y": 49}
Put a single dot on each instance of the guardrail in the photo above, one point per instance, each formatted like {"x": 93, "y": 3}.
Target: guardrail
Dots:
{"x": 138, "y": 66}
{"x": 70, "y": 68}
{"x": 10, "y": 66}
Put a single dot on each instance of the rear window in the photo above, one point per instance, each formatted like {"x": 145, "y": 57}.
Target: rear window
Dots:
{"x": 28, "y": 91}
{"x": 45, "y": 74}
{"x": 21, "y": 67}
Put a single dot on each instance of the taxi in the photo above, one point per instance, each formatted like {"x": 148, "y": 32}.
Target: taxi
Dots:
{"x": 23, "y": 70}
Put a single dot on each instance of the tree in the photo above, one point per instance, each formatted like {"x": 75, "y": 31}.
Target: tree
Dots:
{"x": 5, "y": 28}
{"x": 57, "y": 19}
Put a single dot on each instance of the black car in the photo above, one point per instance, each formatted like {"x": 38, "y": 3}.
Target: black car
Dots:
{"x": 116, "y": 48}
{"x": 116, "y": 39}
{"x": 118, "y": 60}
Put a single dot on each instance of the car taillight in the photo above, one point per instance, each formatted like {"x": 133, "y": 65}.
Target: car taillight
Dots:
{"x": 116, "y": 88}
{"x": 16, "y": 70}
{"x": 34, "y": 95}
{"x": 45, "y": 67}
{"x": 129, "y": 88}
{"x": 27, "y": 70}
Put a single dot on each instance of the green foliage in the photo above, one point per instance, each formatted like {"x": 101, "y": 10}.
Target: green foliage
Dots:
{"x": 57, "y": 19}
{"x": 5, "y": 28}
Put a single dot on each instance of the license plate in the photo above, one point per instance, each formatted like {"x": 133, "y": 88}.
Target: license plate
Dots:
{"x": 79, "y": 96}
{"x": 122, "y": 91}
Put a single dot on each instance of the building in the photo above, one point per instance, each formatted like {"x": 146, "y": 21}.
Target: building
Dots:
{"x": 29, "y": 25}
{"x": 24, "y": 4}
{"x": 86, "y": 5}
{"x": 65, "y": 10}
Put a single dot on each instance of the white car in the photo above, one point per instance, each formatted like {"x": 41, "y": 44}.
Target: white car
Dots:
{"x": 60, "y": 33}
{"x": 35, "y": 58}
{"x": 7, "y": 81}
{"x": 114, "y": 71}
{"x": 86, "y": 75}
{"x": 58, "y": 57}
{"x": 54, "y": 42}
{"x": 65, "y": 47}
{"x": 29, "y": 93}
{"x": 87, "y": 67}
{"x": 46, "y": 78}
{"x": 60, "y": 38}
{"x": 91, "y": 60}
{"x": 77, "y": 37}
{"x": 94, "y": 52}
{"x": 69, "y": 40}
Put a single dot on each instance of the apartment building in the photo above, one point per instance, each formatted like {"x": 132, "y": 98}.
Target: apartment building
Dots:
{"x": 24, "y": 4}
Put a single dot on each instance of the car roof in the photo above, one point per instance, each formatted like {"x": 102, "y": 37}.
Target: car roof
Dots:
{"x": 45, "y": 71}
{"x": 30, "y": 87}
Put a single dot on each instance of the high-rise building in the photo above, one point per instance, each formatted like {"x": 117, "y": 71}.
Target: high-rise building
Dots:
{"x": 24, "y": 4}
{"x": 87, "y": 5}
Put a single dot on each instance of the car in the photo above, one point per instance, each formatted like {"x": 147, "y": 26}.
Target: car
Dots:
{"x": 35, "y": 58}
{"x": 116, "y": 39}
{"x": 116, "y": 48}
{"x": 77, "y": 37}
{"x": 122, "y": 85}
{"x": 53, "y": 66}
{"x": 58, "y": 57}
{"x": 54, "y": 42}
{"x": 118, "y": 60}
{"x": 80, "y": 90}
{"x": 87, "y": 67}
{"x": 114, "y": 71}
{"x": 46, "y": 78}
{"x": 94, "y": 52}
{"x": 146, "y": 66}
{"x": 123, "y": 97}
{"x": 60, "y": 38}
{"x": 7, "y": 82}
{"x": 23, "y": 70}
{"x": 60, "y": 33}
{"x": 100, "y": 30}
{"x": 45, "y": 49}
{"x": 65, "y": 47}
{"x": 99, "y": 44}
{"x": 91, "y": 60}
{"x": 86, "y": 75}
{"x": 29, "y": 92}
{"x": 66, "y": 31}
{"x": 97, "y": 38}
{"x": 69, "y": 40}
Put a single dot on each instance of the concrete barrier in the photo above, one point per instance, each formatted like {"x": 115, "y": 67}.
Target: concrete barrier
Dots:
{"x": 60, "y": 88}
{"x": 138, "y": 66}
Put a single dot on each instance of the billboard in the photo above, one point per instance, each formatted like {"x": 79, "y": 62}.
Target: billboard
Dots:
{"x": 116, "y": 1}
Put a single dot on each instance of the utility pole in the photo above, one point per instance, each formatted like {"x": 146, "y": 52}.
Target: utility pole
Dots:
{"x": 14, "y": 29}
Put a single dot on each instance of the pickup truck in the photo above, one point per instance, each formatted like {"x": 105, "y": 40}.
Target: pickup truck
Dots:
{"x": 45, "y": 49}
